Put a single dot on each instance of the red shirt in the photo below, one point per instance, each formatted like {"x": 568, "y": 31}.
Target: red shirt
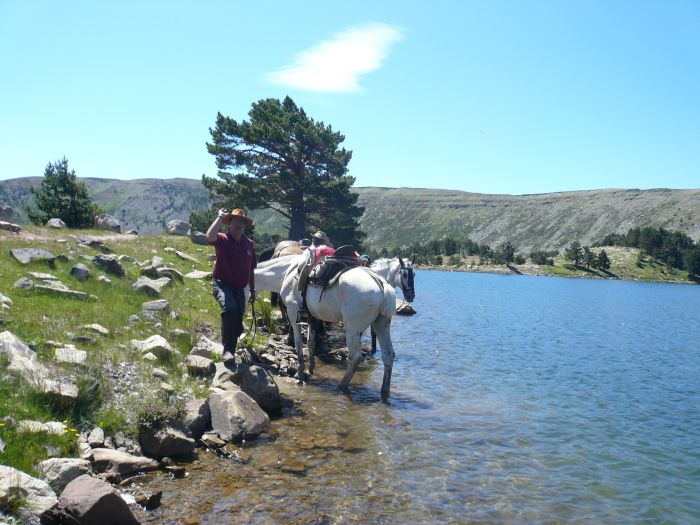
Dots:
{"x": 320, "y": 252}
{"x": 234, "y": 260}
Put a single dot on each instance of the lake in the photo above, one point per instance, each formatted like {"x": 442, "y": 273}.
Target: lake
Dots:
{"x": 514, "y": 400}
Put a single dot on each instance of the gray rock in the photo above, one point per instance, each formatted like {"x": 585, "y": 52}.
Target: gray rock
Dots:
{"x": 96, "y": 438}
{"x": 152, "y": 287}
{"x": 23, "y": 360}
{"x": 404, "y": 308}
{"x": 57, "y": 288}
{"x": 212, "y": 440}
{"x": 187, "y": 257}
{"x": 197, "y": 416}
{"x": 43, "y": 276}
{"x": 235, "y": 416}
{"x": 198, "y": 274}
{"x": 107, "y": 222}
{"x": 104, "y": 280}
{"x": 10, "y": 227}
{"x": 117, "y": 464}
{"x": 200, "y": 366}
{"x": 2, "y": 446}
{"x": 80, "y": 272}
{"x": 23, "y": 283}
{"x": 5, "y": 300}
{"x": 199, "y": 238}
{"x": 172, "y": 273}
{"x": 177, "y": 227}
{"x": 109, "y": 263}
{"x": 159, "y": 374}
{"x": 16, "y": 486}
{"x": 153, "y": 308}
{"x": 205, "y": 347}
{"x": 52, "y": 427}
{"x": 172, "y": 439}
{"x": 132, "y": 232}
{"x": 155, "y": 344}
{"x": 58, "y": 472}
{"x": 69, "y": 354}
{"x": 255, "y": 381}
{"x": 90, "y": 500}
{"x": 127, "y": 258}
{"x": 55, "y": 223}
{"x": 94, "y": 327}
{"x": 27, "y": 255}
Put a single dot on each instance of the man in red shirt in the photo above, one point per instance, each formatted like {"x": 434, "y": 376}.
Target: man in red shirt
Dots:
{"x": 233, "y": 271}
{"x": 320, "y": 247}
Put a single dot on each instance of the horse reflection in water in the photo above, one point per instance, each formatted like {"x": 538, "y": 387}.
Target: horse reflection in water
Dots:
{"x": 360, "y": 299}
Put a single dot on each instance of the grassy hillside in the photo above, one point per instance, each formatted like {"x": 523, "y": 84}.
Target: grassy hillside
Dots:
{"x": 401, "y": 216}
{"x": 117, "y": 385}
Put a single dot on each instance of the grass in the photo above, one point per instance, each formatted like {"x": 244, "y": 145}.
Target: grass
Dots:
{"x": 41, "y": 320}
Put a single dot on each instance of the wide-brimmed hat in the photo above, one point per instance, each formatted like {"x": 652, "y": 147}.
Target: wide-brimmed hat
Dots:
{"x": 320, "y": 236}
{"x": 240, "y": 214}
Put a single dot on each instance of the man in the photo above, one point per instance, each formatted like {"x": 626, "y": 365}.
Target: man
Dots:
{"x": 320, "y": 247}
{"x": 233, "y": 271}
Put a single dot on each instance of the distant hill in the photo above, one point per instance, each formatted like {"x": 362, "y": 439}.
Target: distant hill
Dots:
{"x": 400, "y": 216}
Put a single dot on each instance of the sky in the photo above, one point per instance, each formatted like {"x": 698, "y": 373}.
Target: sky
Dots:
{"x": 497, "y": 96}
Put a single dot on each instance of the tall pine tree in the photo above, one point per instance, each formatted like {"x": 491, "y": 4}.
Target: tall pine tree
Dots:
{"x": 284, "y": 160}
{"x": 62, "y": 196}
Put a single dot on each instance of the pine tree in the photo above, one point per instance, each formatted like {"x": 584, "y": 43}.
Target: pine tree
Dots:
{"x": 284, "y": 160}
{"x": 62, "y": 196}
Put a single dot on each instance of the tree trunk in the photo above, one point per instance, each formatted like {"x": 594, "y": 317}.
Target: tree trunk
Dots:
{"x": 297, "y": 226}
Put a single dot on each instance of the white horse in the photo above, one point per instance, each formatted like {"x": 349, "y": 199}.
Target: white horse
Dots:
{"x": 359, "y": 299}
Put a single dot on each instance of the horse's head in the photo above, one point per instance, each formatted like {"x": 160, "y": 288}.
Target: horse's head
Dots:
{"x": 407, "y": 287}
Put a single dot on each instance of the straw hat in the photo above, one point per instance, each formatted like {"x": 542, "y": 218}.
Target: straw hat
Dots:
{"x": 238, "y": 213}
{"x": 320, "y": 236}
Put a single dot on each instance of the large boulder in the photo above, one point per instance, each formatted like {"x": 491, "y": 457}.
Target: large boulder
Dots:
{"x": 171, "y": 439}
{"x": 207, "y": 348}
{"x": 197, "y": 417}
{"x": 27, "y": 255}
{"x": 58, "y": 472}
{"x": 152, "y": 287}
{"x": 10, "y": 227}
{"x": 90, "y": 500}
{"x": 255, "y": 381}
{"x": 35, "y": 495}
{"x": 199, "y": 238}
{"x": 177, "y": 227}
{"x": 80, "y": 272}
{"x": 23, "y": 360}
{"x": 117, "y": 465}
{"x": 107, "y": 222}
{"x": 109, "y": 263}
{"x": 236, "y": 416}
{"x": 55, "y": 223}
{"x": 156, "y": 345}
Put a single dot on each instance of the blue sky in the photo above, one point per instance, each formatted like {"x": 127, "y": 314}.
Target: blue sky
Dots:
{"x": 505, "y": 97}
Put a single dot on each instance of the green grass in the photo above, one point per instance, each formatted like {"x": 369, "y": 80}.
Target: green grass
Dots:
{"x": 39, "y": 319}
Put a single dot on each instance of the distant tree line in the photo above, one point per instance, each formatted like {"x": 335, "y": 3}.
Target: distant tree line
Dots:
{"x": 671, "y": 247}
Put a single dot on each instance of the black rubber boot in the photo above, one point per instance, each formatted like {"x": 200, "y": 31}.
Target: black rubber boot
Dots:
{"x": 228, "y": 337}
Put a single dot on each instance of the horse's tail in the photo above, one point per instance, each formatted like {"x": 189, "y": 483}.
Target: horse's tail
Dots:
{"x": 388, "y": 308}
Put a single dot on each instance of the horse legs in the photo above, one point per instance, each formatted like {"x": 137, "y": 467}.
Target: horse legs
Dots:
{"x": 285, "y": 319}
{"x": 374, "y": 340}
{"x": 353, "y": 341}
{"x": 298, "y": 345}
{"x": 382, "y": 326}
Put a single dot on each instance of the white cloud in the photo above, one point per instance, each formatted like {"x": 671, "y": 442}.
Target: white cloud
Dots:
{"x": 336, "y": 65}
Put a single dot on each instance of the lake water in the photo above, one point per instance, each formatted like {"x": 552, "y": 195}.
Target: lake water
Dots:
{"x": 514, "y": 400}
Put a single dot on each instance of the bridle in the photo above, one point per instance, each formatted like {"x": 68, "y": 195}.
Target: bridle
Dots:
{"x": 407, "y": 286}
